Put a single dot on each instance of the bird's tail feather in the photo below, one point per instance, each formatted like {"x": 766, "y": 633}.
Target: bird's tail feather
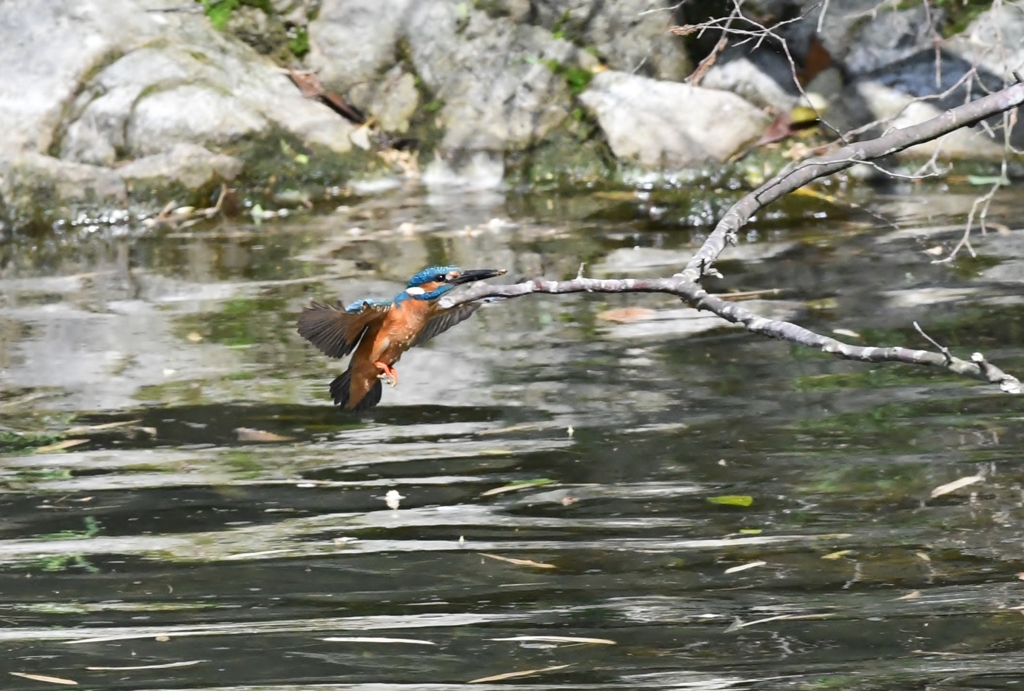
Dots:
{"x": 342, "y": 385}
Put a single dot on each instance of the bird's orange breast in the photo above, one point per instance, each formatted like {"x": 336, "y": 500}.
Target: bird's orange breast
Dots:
{"x": 402, "y": 324}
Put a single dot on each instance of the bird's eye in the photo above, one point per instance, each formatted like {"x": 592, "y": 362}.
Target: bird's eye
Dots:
{"x": 440, "y": 278}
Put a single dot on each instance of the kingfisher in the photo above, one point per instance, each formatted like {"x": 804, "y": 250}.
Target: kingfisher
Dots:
{"x": 379, "y": 331}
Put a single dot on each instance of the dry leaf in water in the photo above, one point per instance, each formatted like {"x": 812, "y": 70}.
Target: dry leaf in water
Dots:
{"x": 250, "y": 434}
{"x": 744, "y": 567}
{"x": 519, "y": 485}
{"x": 377, "y": 639}
{"x": 59, "y": 446}
{"x": 86, "y": 429}
{"x": 518, "y": 562}
{"x": 626, "y": 315}
{"x": 955, "y": 485}
{"x": 557, "y": 639}
{"x": 169, "y": 665}
{"x": 43, "y": 677}
{"x": 516, "y": 675}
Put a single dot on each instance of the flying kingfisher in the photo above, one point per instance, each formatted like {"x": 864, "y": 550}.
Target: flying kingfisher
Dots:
{"x": 379, "y": 331}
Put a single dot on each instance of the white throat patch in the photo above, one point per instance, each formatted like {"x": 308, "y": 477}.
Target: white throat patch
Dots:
{"x": 414, "y": 291}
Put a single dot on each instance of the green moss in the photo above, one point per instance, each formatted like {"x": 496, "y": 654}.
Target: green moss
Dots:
{"x": 298, "y": 41}
{"x": 960, "y": 13}
{"x": 11, "y": 441}
{"x": 969, "y": 267}
{"x": 219, "y": 12}
{"x": 576, "y": 78}
{"x": 574, "y": 153}
{"x": 91, "y": 529}
{"x": 277, "y": 161}
{"x": 559, "y": 29}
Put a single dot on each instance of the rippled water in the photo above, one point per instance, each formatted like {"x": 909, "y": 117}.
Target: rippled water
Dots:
{"x": 698, "y": 508}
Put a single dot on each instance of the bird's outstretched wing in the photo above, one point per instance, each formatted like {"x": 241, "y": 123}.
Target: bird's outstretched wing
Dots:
{"x": 336, "y": 330}
{"x": 445, "y": 321}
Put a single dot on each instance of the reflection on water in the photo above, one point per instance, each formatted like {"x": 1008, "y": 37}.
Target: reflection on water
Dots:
{"x": 606, "y": 501}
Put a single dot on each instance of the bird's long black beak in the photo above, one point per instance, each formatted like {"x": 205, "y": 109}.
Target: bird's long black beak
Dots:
{"x": 475, "y": 275}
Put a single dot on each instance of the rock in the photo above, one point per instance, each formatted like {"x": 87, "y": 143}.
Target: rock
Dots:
{"x": 352, "y": 41}
{"x": 892, "y": 36}
{"x": 203, "y": 89}
{"x": 628, "y": 35}
{"x": 188, "y": 113}
{"x": 42, "y": 58}
{"x": 864, "y": 36}
{"x": 898, "y": 110}
{"x": 39, "y": 188}
{"x": 254, "y": 27}
{"x": 395, "y": 101}
{"x": 101, "y": 82}
{"x": 994, "y": 40}
{"x": 763, "y": 77}
{"x": 497, "y": 80}
{"x": 670, "y": 126}
{"x": 295, "y": 12}
{"x": 890, "y": 98}
{"x": 188, "y": 165}
{"x": 476, "y": 170}
{"x": 826, "y": 86}
{"x": 499, "y": 76}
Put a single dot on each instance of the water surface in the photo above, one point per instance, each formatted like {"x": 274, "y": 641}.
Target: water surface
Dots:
{"x": 699, "y": 508}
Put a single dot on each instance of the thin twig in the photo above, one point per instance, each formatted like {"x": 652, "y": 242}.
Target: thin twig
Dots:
{"x": 942, "y": 349}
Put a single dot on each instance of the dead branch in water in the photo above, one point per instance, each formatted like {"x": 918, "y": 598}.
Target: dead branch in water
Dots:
{"x": 687, "y": 284}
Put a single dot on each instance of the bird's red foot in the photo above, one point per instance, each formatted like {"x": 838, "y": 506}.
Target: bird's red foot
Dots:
{"x": 387, "y": 373}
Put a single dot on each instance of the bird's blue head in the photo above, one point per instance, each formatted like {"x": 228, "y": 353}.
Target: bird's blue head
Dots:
{"x": 432, "y": 283}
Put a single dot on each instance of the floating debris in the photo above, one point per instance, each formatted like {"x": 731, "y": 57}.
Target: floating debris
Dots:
{"x": 393, "y": 499}
{"x": 519, "y": 562}
{"x": 955, "y": 485}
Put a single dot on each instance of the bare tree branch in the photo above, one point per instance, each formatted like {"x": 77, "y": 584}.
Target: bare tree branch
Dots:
{"x": 686, "y": 284}
{"x": 800, "y": 174}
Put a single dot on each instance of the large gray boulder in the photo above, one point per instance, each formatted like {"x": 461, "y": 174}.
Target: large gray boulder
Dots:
{"x": 497, "y": 80}
{"x": 926, "y": 83}
{"x": 86, "y": 88}
{"x": 867, "y": 101}
{"x": 865, "y": 36}
{"x": 627, "y": 35}
{"x": 760, "y": 75}
{"x": 351, "y": 42}
{"x": 495, "y": 76}
{"x": 994, "y": 41}
{"x": 497, "y": 83}
{"x": 670, "y": 126}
